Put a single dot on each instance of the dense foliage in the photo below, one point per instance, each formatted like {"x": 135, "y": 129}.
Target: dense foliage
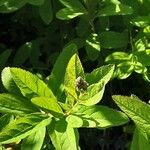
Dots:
{"x": 82, "y": 54}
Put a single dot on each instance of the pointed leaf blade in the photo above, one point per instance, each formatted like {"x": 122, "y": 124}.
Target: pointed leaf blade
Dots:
{"x": 73, "y": 71}
{"x": 29, "y": 84}
{"x": 93, "y": 94}
{"x": 56, "y": 79}
{"x": 102, "y": 74}
{"x": 137, "y": 110}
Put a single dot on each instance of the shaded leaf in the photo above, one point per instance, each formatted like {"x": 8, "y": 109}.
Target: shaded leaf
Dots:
{"x": 23, "y": 53}
{"x": 46, "y": 11}
{"x": 37, "y": 2}
{"x": 112, "y": 10}
{"x": 93, "y": 46}
{"x": 74, "y": 9}
{"x": 67, "y": 14}
{"x": 4, "y": 57}
{"x": 11, "y": 6}
{"x": 5, "y": 120}
{"x": 143, "y": 57}
{"x": 56, "y": 79}
{"x": 110, "y": 39}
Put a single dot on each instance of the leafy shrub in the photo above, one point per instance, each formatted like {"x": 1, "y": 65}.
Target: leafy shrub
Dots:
{"x": 100, "y": 33}
{"x": 36, "y": 106}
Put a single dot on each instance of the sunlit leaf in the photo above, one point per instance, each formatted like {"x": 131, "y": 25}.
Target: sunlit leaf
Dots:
{"x": 63, "y": 136}
{"x": 10, "y": 103}
{"x": 29, "y": 84}
{"x": 23, "y": 127}
{"x": 34, "y": 141}
{"x": 96, "y": 117}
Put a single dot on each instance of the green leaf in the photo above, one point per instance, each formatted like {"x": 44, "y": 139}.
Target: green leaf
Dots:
{"x": 23, "y": 53}
{"x": 112, "y": 10}
{"x": 56, "y": 79}
{"x": 73, "y": 71}
{"x": 140, "y": 141}
{"x": 140, "y": 68}
{"x": 11, "y": 6}
{"x": 47, "y": 103}
{"x": 103, "y": 74}
{"x": 46, "y": 11}
{"x": 74, "y": 9}
{"x": 2, "y": 2}
{"x": 34, "y": 141}
{"x": 35, "y": 52}
{"x": 141, "y": 44}
{"x": 143, "y": 57}
{"x": 10, "y": 103}
{"x": 8, "y": 81}
{"x": 75, "y": 121}
{"x": 141, "y": 21}
{"x": 36, "y": 3}
{"x": 67, "y": 14}
{"x": 29, "y": 84}
{"x": 93, "y": 46}
{"x": 93, "y": 94}
{"x": 124, "y": 70}
{"x": 74, "y": 5}
{"x": 5, "y": 120}
{"x": 110, "y": 39}
{"x": 79, "y": 42}
{"x": 63, "y": 136}
{"x": 96, "y": 117}
{"x": 137, "y": 110}
{"x": 23, "y": 127}
{"x": 81, "y": 25}
{"x": 4, "y": 57}
{"x": 117, "y": 57}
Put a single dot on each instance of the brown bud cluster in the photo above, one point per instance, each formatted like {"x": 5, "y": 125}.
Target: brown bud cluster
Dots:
{"x": 81, "y": 84}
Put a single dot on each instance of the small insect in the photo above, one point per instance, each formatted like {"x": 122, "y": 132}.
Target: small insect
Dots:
{"x": 81, "y": 84}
